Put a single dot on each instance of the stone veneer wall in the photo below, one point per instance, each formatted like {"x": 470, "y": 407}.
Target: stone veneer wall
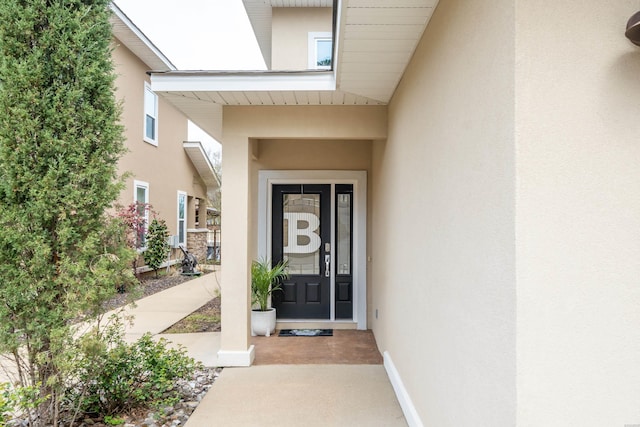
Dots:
{"x": 197, "y": 243}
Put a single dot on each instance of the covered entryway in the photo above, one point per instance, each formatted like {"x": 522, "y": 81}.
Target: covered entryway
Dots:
{"x": 266, "y": 146}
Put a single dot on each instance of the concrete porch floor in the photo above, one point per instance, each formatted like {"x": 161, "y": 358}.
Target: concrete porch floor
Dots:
{"x": 295, "y": 381}
{"x": 345, "y": 347}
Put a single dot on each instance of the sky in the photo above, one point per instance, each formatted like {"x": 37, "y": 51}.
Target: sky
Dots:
{"x": 198, "y": 35}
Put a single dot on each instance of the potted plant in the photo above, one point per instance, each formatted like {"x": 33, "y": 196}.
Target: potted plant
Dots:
{"x": 264, "y": 281}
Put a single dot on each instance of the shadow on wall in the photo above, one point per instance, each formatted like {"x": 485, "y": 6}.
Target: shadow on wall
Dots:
{"x": 623, "y": 89}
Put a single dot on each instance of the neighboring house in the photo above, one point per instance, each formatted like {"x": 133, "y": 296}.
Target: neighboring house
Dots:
{"x": 164, "y": 170}
{"x": 463, "y": 180}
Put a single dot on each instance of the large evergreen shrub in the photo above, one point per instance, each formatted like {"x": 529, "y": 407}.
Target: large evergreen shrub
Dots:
{"x": 59, "y": 145}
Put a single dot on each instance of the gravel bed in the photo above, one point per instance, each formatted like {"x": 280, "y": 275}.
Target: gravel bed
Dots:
{"x": 192, "y": 390}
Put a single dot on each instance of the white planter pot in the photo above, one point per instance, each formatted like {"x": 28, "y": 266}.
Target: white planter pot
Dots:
{"x": 263, "y": 322}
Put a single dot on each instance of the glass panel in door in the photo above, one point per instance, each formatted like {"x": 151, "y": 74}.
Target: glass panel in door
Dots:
{"x": 301, "y": 235}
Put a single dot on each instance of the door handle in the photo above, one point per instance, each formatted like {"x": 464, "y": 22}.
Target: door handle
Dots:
{"x": 327, "y": 265}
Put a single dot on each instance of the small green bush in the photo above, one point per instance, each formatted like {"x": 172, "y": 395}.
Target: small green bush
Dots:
{"x": 6, "y": 403}
{"x": 157, "y": 245}
{"x": 18, "y": 401}
{"x": 113, "y": 421}
{"x": 116, "y": 377}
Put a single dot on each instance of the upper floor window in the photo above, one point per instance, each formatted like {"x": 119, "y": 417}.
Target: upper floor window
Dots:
{"x": 320, "y": 50}
{"x": 150, "y": 115}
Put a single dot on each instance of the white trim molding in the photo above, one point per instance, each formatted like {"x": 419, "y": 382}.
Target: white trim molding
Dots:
{"x": 236, "y": 358}
{"x": 198, "y": 81}
{"x": 408, "y": 408}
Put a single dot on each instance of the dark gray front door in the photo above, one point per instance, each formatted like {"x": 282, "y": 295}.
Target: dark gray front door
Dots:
{"x": 301, "y": 234}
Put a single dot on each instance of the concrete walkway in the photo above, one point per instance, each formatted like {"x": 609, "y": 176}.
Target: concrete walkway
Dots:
{"x": 300, "y": 395}
{"x": 270, "y": 395}
{"x": 159, "y": 311}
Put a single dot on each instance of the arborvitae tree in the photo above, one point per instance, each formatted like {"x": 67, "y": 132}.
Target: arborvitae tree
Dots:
{"x": 157, "y": 245}
{"x": 59, "y": 145}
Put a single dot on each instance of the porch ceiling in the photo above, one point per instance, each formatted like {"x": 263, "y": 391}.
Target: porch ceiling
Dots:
{"x": 375, "y": 40}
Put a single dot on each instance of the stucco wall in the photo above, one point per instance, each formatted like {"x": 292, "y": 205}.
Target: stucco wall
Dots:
{"x": 578, "y": 210}
{"x": 166, "y": 167}
{"x": 313, "y": 155}
{"x": 443, "y": 266}
{"x": 291, "y": 27}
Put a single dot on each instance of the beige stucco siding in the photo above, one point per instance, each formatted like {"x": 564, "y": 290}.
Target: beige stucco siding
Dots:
{"x": 313, "y": 155}
{"x": 165, "y": 167}
{"x": 291, "y": 27}
{"x": 578, "y": 210}
{"x": 443, "y": 265}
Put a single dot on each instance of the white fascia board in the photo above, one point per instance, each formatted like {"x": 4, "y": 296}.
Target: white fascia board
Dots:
{"x": 220, "y": 82}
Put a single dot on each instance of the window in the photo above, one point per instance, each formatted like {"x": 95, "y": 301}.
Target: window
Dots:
{"x": 182, "y": 218}
{"x": 197, "y": 223}
{"x": 141, "y": 198}
{"x": 320, "y": 51}
{"x": 150, "y": 115}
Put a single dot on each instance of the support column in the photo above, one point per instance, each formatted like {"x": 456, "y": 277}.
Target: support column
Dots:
{"x": 202, "y": 213}
{"x": 235, "y": 347}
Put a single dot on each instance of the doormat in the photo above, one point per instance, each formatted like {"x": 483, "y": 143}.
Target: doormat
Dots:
{"x": 305, "y": 333}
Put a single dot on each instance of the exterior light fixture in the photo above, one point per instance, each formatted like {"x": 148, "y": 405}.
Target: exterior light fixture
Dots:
{"x": 633, "y": 29}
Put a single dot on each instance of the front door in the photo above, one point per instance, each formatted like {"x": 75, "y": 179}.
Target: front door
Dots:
{"x": 301, "y": 235}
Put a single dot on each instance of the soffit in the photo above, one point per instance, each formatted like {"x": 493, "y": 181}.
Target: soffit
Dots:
{"x": 202, "y": 95}
{"x": 254, "y": 88}
{"x": 130, "y": 35}
{"x": 297, "y": 97}
{"x": 377, "y": 39}
{"x": 302, "y": 3}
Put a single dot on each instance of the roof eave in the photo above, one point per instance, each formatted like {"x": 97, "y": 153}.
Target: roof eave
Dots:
{"x": 201, "y": 162}
{"x": 146, "y": 50}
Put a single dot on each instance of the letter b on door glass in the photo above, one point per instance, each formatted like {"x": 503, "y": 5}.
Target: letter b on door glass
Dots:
{"x": 302, "y": 233}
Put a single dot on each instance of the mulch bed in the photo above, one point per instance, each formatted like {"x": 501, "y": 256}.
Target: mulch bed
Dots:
{"x": 149, "y": 285}
{"x": 204, "y": 319}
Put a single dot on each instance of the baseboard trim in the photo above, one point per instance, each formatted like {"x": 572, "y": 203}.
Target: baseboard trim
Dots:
{"x": 236, "y": 358}
{"x": 409, "y": 410}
